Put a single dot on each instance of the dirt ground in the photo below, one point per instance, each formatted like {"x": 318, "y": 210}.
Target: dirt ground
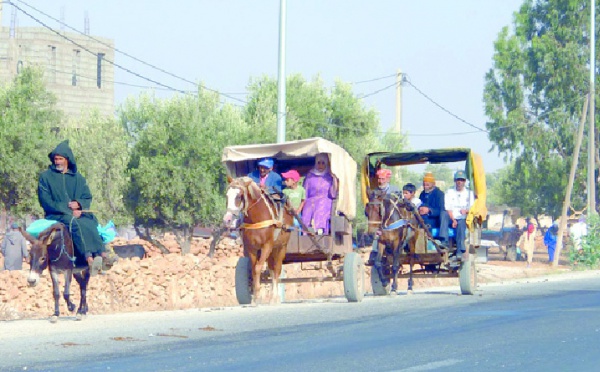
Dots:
{"x": 498, "y": 269}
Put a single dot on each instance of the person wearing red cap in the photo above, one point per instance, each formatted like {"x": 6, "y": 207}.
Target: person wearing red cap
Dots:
{"x": 293, "y": 190}
{"x": 383, "y": 181}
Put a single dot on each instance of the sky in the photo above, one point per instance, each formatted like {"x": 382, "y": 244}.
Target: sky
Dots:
{"x": 443, "y": 47}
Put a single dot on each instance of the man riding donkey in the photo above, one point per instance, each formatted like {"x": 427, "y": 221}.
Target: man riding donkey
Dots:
{"x": 65, "y": 197}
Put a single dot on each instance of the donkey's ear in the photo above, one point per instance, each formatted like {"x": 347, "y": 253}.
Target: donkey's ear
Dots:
{"x": 47, "y": 236}
{"x": 27, "y": 235}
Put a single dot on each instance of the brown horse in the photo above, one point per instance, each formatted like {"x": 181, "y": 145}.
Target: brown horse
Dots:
{"x": 53, "y": 249}
{"x": 265, "y": 230}
{"x": 393, "y": 219}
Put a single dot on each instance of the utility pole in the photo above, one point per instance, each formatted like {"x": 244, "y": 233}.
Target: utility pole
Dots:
{"x": 281, "y": 107}
{"x": 398, "y": 127}
{"x": 567, "y": 201}
{"x": 592, "y": 133}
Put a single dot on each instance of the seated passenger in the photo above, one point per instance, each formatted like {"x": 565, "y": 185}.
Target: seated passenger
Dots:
{"x": 383, "y": 181}
{"x": 458, "y": 200}
{"x": 432, "y": 207}
{"x": 321, "y": 189}
{"x": 408, "y": 193}
{"x": 265, "y": 177}
{"x": 294, "y": 192}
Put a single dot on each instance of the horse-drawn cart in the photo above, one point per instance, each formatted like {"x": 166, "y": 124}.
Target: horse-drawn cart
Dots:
{"x": 431, "y": 257}
{"x": 333, "y": 251}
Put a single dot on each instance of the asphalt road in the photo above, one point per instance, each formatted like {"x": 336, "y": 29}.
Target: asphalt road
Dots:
{"x": 544, "y": 324}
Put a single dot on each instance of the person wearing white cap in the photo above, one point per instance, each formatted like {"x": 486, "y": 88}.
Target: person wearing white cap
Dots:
{"x": 458, "y": 200}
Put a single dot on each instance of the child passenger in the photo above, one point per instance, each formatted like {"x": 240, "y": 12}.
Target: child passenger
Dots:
{"x": 294, "y": 191}
{"x": 408, "y": 193}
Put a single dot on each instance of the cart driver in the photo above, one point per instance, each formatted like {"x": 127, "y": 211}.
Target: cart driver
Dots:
{"x": 265, "y": 177}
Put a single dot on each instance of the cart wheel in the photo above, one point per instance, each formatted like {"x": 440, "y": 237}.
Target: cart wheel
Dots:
{"x": 243, "y": 281}
{"x": 467, "y": 276}
{"x": 354, "y": 277}
{"x": 378, "y": 288}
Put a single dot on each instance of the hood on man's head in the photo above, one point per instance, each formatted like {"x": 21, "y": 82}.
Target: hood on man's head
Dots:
{"x": 65, "y": 151}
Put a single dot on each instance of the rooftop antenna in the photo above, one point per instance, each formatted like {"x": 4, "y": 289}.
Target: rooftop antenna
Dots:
{"x": 62, "y": 18}
{"x": 13, "y": 22}
{"x": 86, "y": 23}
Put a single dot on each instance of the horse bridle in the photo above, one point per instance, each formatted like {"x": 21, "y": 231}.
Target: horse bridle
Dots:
{"x": 236, "y": 184}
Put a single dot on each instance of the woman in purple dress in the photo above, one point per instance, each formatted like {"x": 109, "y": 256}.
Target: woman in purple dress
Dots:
{"x": 321, "y": 188}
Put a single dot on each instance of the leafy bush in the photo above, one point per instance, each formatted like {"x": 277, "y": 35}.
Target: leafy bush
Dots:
{"x": 589, "y": 255}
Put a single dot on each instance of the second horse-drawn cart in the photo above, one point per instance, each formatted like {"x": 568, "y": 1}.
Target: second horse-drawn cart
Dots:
{"x": 431, "y": 257}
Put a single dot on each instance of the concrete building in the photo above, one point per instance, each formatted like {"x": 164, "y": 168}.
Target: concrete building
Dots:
{"x": 74, "y": 66}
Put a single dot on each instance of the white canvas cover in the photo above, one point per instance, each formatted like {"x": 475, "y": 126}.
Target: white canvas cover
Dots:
{"x": 342, "y": 164}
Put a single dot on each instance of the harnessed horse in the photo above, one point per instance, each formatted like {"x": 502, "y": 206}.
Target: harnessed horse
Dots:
{"x": 394, "y": 219}
{"x": 265, "y": 230}
{"x": 53, "y": 249}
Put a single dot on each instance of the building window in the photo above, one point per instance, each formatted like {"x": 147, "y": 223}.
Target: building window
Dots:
{"x": 76, "y": 54}
{"x": 19, "y": 66}
{"x": 52, "y": 63}
{"x": 99, "y": 70}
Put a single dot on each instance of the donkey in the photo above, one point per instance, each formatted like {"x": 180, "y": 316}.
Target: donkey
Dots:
{"x": 53, "y": 249}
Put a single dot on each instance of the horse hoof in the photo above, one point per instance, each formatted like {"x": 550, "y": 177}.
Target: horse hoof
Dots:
{"x": 79, "y": 317}
{"x": 54, "y": 319}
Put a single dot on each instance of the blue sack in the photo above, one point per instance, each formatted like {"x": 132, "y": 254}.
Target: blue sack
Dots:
{"x": 108, "y": 232}
{"x": 38, "y": 226}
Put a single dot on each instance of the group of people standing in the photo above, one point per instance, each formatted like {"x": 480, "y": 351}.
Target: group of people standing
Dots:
{"x": 312, "y": 200}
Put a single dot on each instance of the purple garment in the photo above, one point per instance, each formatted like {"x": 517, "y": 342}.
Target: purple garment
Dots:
{"x": 319, "y": 197}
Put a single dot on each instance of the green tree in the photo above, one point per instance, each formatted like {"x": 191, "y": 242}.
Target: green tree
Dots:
{"x": 533, "y": 97}
{"x": 313, "y": 110}
{"x": 102, "y": 154}
{"x": 177, "y": 179}
{"x": 28, "y": 113}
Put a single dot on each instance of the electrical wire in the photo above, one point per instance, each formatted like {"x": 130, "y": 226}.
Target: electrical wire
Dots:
{"x": 109, "y": 61}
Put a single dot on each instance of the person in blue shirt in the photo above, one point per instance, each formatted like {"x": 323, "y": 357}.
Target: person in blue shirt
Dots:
{"x": 265, "y": 177}
{"x": 550, "y": 240}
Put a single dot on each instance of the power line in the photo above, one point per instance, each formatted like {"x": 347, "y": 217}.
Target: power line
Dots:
{"x": 406, "y": 80}
{"x": 374, "y": 79}
{"x": 117, "y": 50}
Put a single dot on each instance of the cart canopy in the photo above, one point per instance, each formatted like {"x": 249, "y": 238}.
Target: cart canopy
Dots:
{"x": 239, "y": 160}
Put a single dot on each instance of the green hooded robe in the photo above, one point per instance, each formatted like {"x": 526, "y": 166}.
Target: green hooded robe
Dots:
{"x": 56, "y": 190}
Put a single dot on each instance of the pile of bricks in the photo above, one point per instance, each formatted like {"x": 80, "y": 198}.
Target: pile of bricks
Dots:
{"x": 158, "y": 282}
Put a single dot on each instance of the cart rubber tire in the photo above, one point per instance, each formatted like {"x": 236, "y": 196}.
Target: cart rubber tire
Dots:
{"x": 354, "y": 277}
{"x": 467, "y": 276}
{"x": 243, "y": 281}
{"x": 378, "y": 288}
